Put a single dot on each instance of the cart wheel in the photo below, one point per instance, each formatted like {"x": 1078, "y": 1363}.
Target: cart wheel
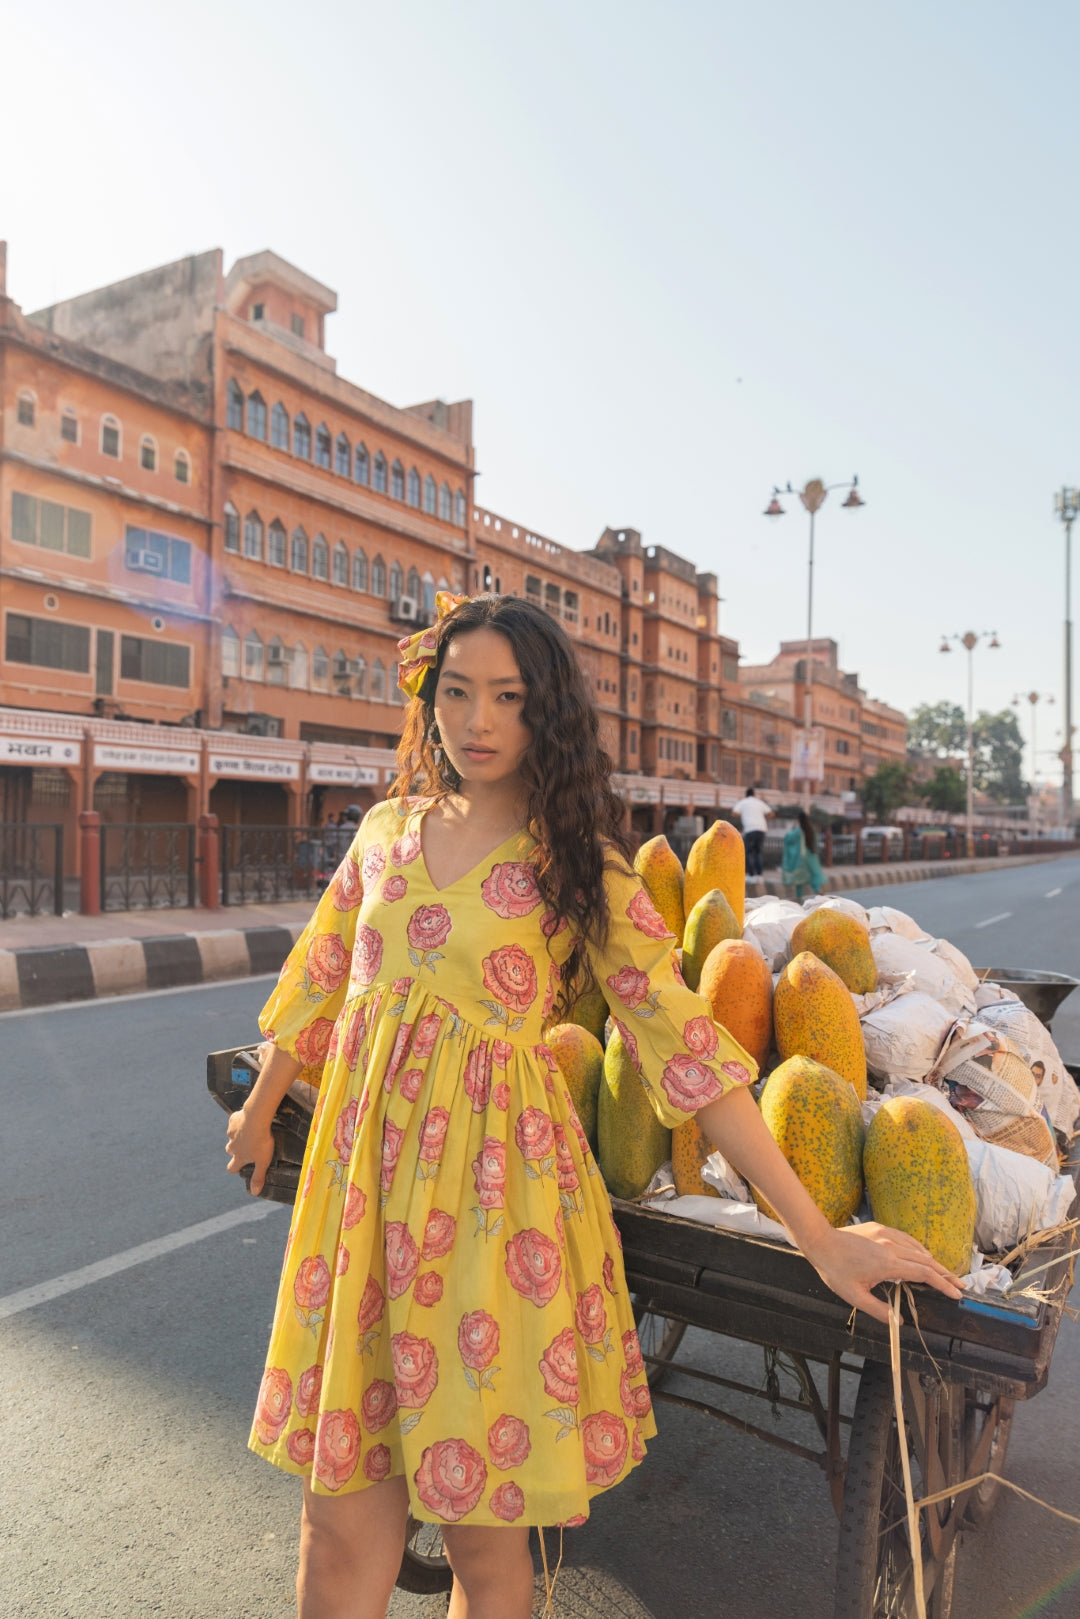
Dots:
{"x": 658, "y": 1336}
{"x": 978, "y": 1416}
{"x": 875, "y": 1575}
{"x": 424, "y": 1566}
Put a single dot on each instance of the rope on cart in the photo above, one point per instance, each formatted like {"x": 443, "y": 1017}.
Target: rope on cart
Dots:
{"x": 550, "y": 1580}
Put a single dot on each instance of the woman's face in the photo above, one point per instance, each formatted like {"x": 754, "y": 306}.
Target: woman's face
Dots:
{"x": 478, "y": 707}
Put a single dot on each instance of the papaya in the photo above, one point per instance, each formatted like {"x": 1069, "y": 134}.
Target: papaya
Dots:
{"x": 590, "y": 1011}
{"x": 815, "y": 1119}
{"x": 717, "y": 860}
{"x": 918, "y": 1178}
{"x": 690, "y": 1147}
{"x": 842, "y": 942}
{"x": 711, "y": 920}
{"x": 660, "y": 869}
{"x": 633, "y": 1142}
{"x": 814, "y": 1016}
{"x": 580, "y": 1057}
{"x": 737, "y": 984}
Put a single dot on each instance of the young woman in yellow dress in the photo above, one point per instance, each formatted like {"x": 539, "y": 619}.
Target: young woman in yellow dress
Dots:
{"x": 453, "y": 1334}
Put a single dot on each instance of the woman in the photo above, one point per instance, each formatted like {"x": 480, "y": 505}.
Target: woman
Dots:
{"x": 800, "y": 863}
{"x": 453, "y": 1334}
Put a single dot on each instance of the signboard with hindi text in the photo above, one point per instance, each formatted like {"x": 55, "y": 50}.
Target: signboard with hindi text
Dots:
{"x": 39, "y": 750}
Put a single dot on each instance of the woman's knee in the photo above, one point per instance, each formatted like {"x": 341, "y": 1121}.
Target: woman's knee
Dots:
{"x": 479, "y": 1554}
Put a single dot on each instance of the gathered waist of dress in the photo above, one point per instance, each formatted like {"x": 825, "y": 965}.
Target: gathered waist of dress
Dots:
{"x": 473, "y": 1022}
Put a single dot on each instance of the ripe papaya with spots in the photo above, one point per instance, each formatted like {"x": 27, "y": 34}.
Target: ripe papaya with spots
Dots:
{"x": 660, "y": 869}
{"x": 633, "y": 1142}
{"x": 815, "y": 1119}
{"x": 918, "y": 1178}
{"x": 580, "y": 1057}
{"x": 842, "y": 942}
{"x": 738, "y": 986}
{"x": 710, "y": 921}
{"x": 814, "y": 1016}
{"x": 717, "y": 860}
{"x": 690, "y": 1147}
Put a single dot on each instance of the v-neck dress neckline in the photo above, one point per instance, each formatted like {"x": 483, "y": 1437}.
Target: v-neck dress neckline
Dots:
{"x": 518, "y": 837}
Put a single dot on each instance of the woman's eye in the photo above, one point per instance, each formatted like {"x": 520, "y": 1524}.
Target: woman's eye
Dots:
{"x": 512, "y": 696}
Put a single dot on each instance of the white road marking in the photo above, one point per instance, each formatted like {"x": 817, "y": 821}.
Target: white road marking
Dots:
{"x": 1004, "y": 916}
{"x": 42, "y": 1292}
{"x": 136, "y": 995}
{"x": 1053, "y": 894}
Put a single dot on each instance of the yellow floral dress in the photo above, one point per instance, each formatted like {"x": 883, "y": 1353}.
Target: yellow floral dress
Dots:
{"x": 452, "y": 1305}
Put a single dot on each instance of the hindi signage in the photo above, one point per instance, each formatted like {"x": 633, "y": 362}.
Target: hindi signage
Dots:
{"x": 346, "y": 775}
{"x": 254, "y": 767}
{"x": 39, "y": 750}
{"x": 172, "y": 761}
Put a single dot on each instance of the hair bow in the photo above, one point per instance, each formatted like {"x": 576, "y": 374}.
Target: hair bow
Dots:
{"x": 418, "y": 651}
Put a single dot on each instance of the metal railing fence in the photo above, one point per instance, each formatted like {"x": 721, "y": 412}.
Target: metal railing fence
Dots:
{"x": 31, "y": 869}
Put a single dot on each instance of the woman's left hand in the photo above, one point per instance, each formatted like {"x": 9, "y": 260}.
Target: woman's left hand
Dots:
{"x": 855, "y": 1259}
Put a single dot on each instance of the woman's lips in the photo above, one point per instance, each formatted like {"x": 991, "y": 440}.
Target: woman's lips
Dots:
{"x": 479, "y": 753}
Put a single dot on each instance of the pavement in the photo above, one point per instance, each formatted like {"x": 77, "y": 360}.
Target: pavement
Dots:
{"x": 46, "y": 960}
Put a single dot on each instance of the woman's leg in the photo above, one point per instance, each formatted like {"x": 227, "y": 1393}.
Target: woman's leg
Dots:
{"x": 350, "y": 1551}
{"x": 493, "y": 1573}
{"x": 798, "y": 890}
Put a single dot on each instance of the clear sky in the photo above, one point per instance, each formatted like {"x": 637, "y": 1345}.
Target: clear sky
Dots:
{"x": 675, "y": 253}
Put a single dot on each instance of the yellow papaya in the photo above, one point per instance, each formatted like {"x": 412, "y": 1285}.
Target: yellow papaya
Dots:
{"x": 918, "y": 1178}
{"x": 814, "y": 1016}
{"x": 815, "y": 1119}
{"x": 590, "y": 1012}
{"x": 633, "y": 1142}
{"x": 737, "y": 984}
{"x": 660, "y": 869}
{"x": 840, "y": 940}
{"x": 690, "y": 1147}
{"x": 711, "y": 920}
{"x": 580, "y": 1057}
{"x": 717, "y": 860}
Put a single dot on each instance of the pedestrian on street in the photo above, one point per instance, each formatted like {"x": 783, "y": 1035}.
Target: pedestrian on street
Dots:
{"x": 801, "y": 866}
{"x": 753, "y": 815}
{"x": 453, "y": 1336}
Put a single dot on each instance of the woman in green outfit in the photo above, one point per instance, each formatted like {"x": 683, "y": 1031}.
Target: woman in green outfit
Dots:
{"x": 801, "y": 865}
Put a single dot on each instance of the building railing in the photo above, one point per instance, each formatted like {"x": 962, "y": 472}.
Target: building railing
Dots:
{"x": 146, "y": 866}
{"x": 264, "y": 864}
{"x": 31, "y": 870}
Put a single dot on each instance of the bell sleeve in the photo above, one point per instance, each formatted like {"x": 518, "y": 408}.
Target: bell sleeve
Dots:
{"x": 684, "y": 1057}
{"x": 301, "y": 1013}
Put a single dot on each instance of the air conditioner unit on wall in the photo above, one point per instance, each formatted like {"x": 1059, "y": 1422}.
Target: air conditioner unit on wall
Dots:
{"x": 144, "y": 562}
{"x": 279, "y": 656}
{"x": 406, "y": 608}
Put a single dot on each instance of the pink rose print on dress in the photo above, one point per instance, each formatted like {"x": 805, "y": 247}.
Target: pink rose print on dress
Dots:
{"x": 308, "y": 1389}
{"x": 377, "y": 1464}
{"x": 367, "y": 954}
{"x": 327, "y": 962}
{"x": 355, "y": 1204}
{"x": 379, "y": 1405}
{"x": 677, "y": 971}
{"x": 368, "y": 1316}
{"x": 410, "y": 1082}
{"x": 510, "y": 975}
{"x": 501, "y": 1051}
{"x": 554, "y": 979}
{"x": 337, "y": 1448}
{"x": 559, "y": 1368}
{"x": 535, "y": 1137}
{"x": 301, "y": 1447}
{"x": 313, "y": 1043}
{"x": 577, "y": 1126}
{"x": 688, "y": 1083}
{"x": 343, "y": 1258}
{"x": 637, "y": 1446}
{"x": 533, "y": 1266}
{"x": 439, "y": 1234}
{"x": 551, "y": 924}
{"x": 565, "y": 1172}
{"x": 402, "y": 1258}
{"x": 311, "y": 1289}
{"x": 631, "y": 985}
{"x": 355, "y": 1030}
{"x": 428, "y": 1289}
{"x": 273, "y": 1406}
{"x": 429, "y": 927}
{"x": 604, "y": 1442}
{"x": 402, "y": 986}
{"x": 346, "y": 890}
{"x": 507, "y": 1502}
{"x": 508, "y": 1443}
{"x": 345, "y": 1131}
{"x": 646, "y": 918}
{"x": 737, "y": 1071}
{"x": 426, "y": 1032}
{"x": 394, "y": 888}
{"x": 404, "y": 850}
{"x": 500, "y": 1095}
{"x": 590, "y": 1316}
{"x": 700, "y": 1036}
{"x": 609, "y": 1273}
{"x": 433, "y": 1128}
{"x": 630, "y": 1042}
{"x": 397, "y": 1055}
{"x": 635, "y": 1401}
{"x": 416, "y": 1369}
{"x": 478, "y": 1340}
{"x": 450, "y": 1479}
{"x": 489, "y": 1178}
{"x": 392, "y": 1138}
{"x": 478, "y": 1076}
{"x": 631, "y": 1349}
{"x": 510, "y": 890}
{"x": 374, "y": 865}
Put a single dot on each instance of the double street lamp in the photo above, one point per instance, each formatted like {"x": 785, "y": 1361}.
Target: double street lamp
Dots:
{"x": 1067, "y": 508}
{"x": 813, "y": 497}
{"x": 1033, "y": 698}
{"x": 969, "y": 642}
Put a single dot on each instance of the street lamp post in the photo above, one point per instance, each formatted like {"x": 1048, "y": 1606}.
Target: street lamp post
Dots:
{"x": 1034, "y": 698}
{"x": 969, "y": 642}
{"x": 813, "y": 497}
{"x": 1067, "y": 507}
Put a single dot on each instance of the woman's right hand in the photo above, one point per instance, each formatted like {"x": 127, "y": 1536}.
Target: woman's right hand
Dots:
{"x": 248, "y": 1140}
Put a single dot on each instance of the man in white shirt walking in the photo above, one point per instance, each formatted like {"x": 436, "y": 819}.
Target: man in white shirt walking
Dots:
{"x": 753, "y": 815}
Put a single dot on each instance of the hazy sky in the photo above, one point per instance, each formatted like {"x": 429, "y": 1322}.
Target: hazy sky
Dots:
{"x": 675, "y": 253}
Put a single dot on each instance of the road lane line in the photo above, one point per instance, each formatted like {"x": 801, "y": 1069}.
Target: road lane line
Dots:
{"x": 1003, "y": 917}
{"x": 136, "y": 995}
{"x": 42, "y": 1292}
{"x": 1053, "y": 894}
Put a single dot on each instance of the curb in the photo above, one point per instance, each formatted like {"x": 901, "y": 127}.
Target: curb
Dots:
{"x": 838, "y": 882}
{"x": 42, "y": 975}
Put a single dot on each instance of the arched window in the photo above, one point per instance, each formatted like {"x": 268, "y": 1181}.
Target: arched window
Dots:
{"x": 26, "y": 409}
{"x": 429, "y": 596}
{"x": 379, "y": 480}
{"x": 275, "y": 544}
{"x": 110, "y": 437}
{"x": 359, "y": 570}
{"x": 459, "y": 508}
{"x": 301, "y": 437}
{"x": 341, "y": 674}
{"x": 414, "y": 487}
{"x": 230, "y": 652}
{"x": 256, "y": 416}
{"x": 279, "y": 427}
{"x": 378, "y": 577}
{"x": 342, "y": 456}
{"x": 360, "y": 678}
{"x": 182, "y": 467}
{"x": 396, "y": 695}
{"x": 276, "y": 662}
{"x": 396, "y": 577}
{"x": 397, "y": 481}
{"x": 323, "y": 446}
{"x": 412, "y": 585}
{"x": 298, "y": 551}
{"x": 232, "y": 527}
{"x": 253, "y": 536}
{"x": 234, "y": 407}
{"x": 363, "y": 465}
{"x": 320, "y": 669}
{"x": 69, "y": 426}
{"x": 320, "y": 558}
{"x": 341, "y": 564}
{"x": 148, "y": 453}
{"x": 298, "y": 668}
{"x": 253, "y": 656}
{"x": 378, "y": 682}
{"x": 430, "y": 495}
{"x": 446, "y": 503}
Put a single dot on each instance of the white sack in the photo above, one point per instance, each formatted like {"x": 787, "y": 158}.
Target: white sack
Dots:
{"x": 1058, "y": 1093}
{"x": 723, "y": 1212}
{"x": 864, "y": 1004}
{"x": 717, "y": 1172}
{"x": 769, "y": 926}
{"x": 896, "y": 957}
{"x": 905, "y": 1036}
{"x": 885, "y": 919}
{"x": 989, "y": 993}
{"x": 957, "y": 960}
{"x": 1013, "y": 1194}
{"x": 837, "y": 902}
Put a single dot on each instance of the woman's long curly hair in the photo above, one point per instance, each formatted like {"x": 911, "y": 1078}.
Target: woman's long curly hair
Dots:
{"x": 572, "y": 809}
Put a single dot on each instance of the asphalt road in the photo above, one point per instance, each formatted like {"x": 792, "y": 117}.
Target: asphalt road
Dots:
{"x": 126, "y": 1486}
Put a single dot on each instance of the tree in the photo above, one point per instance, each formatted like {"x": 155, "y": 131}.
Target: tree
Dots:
{"x": 884, "y": 791}
{"x": 999, "y": 749}
{"x": 939, "y": 728}
{"x": 947, "y": 792}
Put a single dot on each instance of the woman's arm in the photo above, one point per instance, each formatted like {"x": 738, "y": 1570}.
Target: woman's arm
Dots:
{"x": 850, "y": 1261}
{"x": 248, "y": 1136}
